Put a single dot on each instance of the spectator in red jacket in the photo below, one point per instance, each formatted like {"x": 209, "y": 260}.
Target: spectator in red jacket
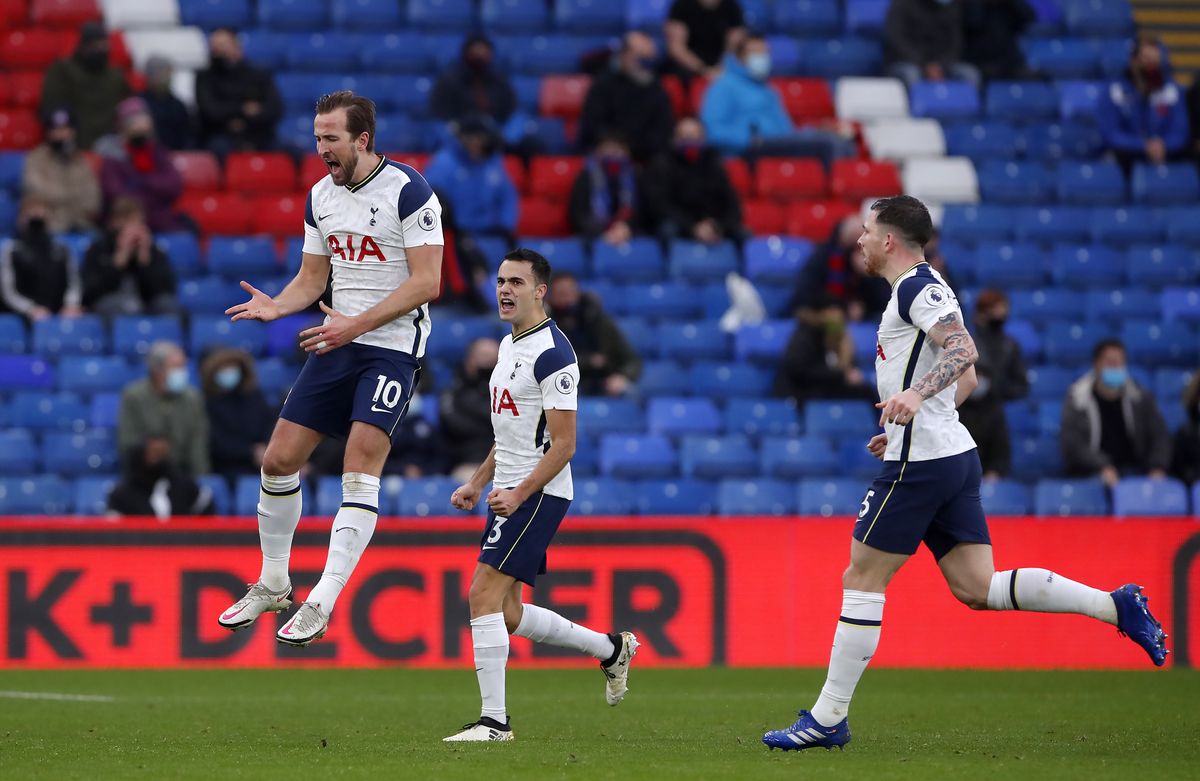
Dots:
{"x": 136, "y": 165}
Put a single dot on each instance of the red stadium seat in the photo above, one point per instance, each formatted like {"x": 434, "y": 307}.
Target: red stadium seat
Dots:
{"x": 790, "y": 179}
{"x": 696, "y": 92}
{"x": 19, "y": 129}
{"x": 806, "y": 100}
{"x": 415, "y": 160}
{"x": 13, "y": 13}
{"x": 739, "y": 176}
{"x": 542, "y": 217}
{"x": 815, "y": 219}
{"x": 260, "y": 172}
{"x": 30, "y": 48}
{"x": 200, "y": 171}
{"x": 118, "y": 52}
{"x": 313, "y": 170}
{"x": 855, "y": 180}
{"x": 224, "y": 214}
{"x": 278, "y": 215}
{"x": 763, "y": 217}
{"x": 551, "y": 177}
{"x": 516, "y": 171}
{"x": 563, "y": 96}
{"x": 63, "y": 13}
{"x": 24, "y": 89}
{"x": 681, "y": 103}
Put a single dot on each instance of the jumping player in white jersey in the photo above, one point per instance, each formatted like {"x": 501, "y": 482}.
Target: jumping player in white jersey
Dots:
{"x": 377, "y": 225}
{"x": 534, "y": 398}
{"x": 928, "y": 490}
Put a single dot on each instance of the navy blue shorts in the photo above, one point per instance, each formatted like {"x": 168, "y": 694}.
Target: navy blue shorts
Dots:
{"x": 517, "y": 545}
{"x": 353, "y": 382}
{"x": 936, "y": 502}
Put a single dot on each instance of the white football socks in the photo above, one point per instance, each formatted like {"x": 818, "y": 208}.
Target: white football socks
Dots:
{"x": 279, "y": 505}
{"x": 545, "y": 626}
{"x": 489, "y": 636}
{"x": 352, "y": 529}
{"x": 854, "y": 644}
{"x": 1043, "y": 591}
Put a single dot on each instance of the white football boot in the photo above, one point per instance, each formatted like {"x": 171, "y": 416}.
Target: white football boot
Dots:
{"x": 309, "y": 624}
{"x": 617, "y": 671}
{"x": 486, "y": 730}
{"x": 258, "y": 600}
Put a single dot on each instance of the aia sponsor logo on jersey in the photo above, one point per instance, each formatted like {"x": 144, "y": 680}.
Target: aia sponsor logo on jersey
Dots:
{"x": 367, "y": 248}
{"x": 502, "y": 400}
{"x": 879, "y": 351}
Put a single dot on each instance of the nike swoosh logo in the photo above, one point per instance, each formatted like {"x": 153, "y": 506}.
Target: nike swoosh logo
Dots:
{"x": 323, "y": 216}
{"x": 379, "y": 409}
{"x": 230, "y": 615}
{"x": 340, "y": 528}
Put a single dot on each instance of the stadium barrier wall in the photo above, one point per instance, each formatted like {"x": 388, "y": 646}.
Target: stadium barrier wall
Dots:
{"x": 728, "y": 591}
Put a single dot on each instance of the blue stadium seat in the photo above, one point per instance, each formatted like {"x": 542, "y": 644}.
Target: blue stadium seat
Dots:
{"x": 834, "y": 57}
{"x": 1049, "y": 414}
{"x": 675, "y": 497}
{"x": 95, "y": 374}
{"x": 183, "y": 250}
{"x": 209, "y": 333}
{"x": 714, "y": 298}
{"x": 19, "y": 452}
{"x": 788, "y": 55}
{"x": 1053, "y": 223}
{"x": 1180, "y": 304}
{"x": 1147, "y": 496}
{"x": 711, "y": 458}
{"x": 1050, "y": 383}
{"x": 865, "y": 335}
{"x": 603, "y": 496}
{"x": 1165, "y": 184}
{"x": 91, "y": 494}
{"x": 703, "y": 340}
{"x": 1196, "y": 499}
{"x": 328, "y": 495}
{"x": 529, "y": 93}
{"x": 399, "y": 51}
{"x": 1070, "y": 497}
{"x": 598, "y": 415}
{"x": 39, "y": 410}
{"x": 447, "y": 15}
{"x": 589, "y": 16}
{"x": 865, "y": 17}
{"x": 790, "y": 458}
{"x": 74, "y": 454}
{"x": 456, "y": 335}
{"x": 646, "y": 15}
{"x": 944, "y": 100}
{"x": 856, "y": 461}
{"x": 1087, "y": 265}
{"x": 565, "y": 255}
{"x": 1035, "y": 457}
{"x": 104, "y": 411}
{"x": 1127, "y": 225}
{"x": 664, "y": 378}
{"x": 514, "y": 16}
{"x": 1093, "y": 184}
{"x": 641, "y": 335}
{"x": 807, "y": 17}
{"x": 267, "y": 49}
{"x": 1123, "y": 303}
{"x": 772, "y": 259}
{"x": 1098, "y": 18}
{"x": 547, "y": 54}
{"x": 828, "y": 498}
{"x": 12, "y": 334}
{"x": 323, "y": 52}
{"x": 1022, "y": 416}
{"x": 1181, "y": 224}
{"x": 84, "y": 335}
{"x": 218, "y": 491}
{"x": 700, "y": 262}
{"x": 762, "y": 417}
{"x": 1023, "y": 101}
{"x": 637, "y": 456}
{"x": 245, "y": 495}
{"x": 40, "y": 495}
{"x": 841, "y": 418}
{"x": 979, "y": 222}
{"x": 1006, "y": 497}
{"x": 1173, "y": 343}
{"x": 638, "y": 260}
{"x": 982, "y": 140}
{"x": 292, "y": 15}
{"x": 133, "y": 334}
{"x": 209, "y": 295}
{"x": 366, "y": 15}
{"x": 19, "y": 372}
{"x": 1070, "y": 344}
{"x": 1015, "y": 183}
{"x": 1170, "y": 384}
{"x": 722, "y": 381}
{"x": 676, "y": 416}
{"x": 1062, "y": 58}
{"x": 586, "y": 461}
{"x": 1047, "y": 304}
{"x": 763, "y": 343}
{"x": 668, "y": 300}
{"x": 1079, "y": 100}
{"x": 421, "y": 497}
{"x": 12, "y": 168}
{"x": 756, "y": 497}
{"x": 1068, "y": 141}
{"x": 1026, "y": 335}
{"x": 776, "y": 300}
{"x": 1010, "y": 265}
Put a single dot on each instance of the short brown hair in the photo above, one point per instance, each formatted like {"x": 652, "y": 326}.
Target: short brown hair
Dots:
{"x": 360, "y": 113}
{"x": 907, "y": 215}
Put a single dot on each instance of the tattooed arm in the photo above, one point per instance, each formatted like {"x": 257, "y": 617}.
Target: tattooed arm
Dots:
{"x": 957, "y": 356}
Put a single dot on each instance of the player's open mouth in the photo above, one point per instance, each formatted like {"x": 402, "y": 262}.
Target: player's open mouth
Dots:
{"x": 506, "y": 305}
{"x": 334, "y": 166}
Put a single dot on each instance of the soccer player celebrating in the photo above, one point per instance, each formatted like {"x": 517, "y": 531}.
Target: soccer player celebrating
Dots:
{"x": 377, "y": 224}
{"x": 534, "y": 398}
{"x": 928, "y": 490}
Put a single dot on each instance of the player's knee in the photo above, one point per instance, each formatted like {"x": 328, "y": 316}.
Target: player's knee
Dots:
{"x": 484, "y": 598}
{"x": 277, "y": 463}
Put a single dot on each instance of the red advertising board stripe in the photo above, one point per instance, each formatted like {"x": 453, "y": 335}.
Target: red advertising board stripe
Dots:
{"x": 736, "y": 591}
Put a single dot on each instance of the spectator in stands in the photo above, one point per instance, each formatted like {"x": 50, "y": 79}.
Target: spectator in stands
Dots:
{"x": 743, "y": 114}
{"x": 464, "y": 270}
{"x": 631, "y": 100}
{"x": 818, "y": 362}
{"x": 124, "y": 271}
{"x": 1142, "y": 116}
{"x": 57, "y": 173}
{"x": 608, "y": 199}
{"x": 691, "y": 191}
{"x": 136, "y": 165}
{"x": 239, "y": 417}
{"x": 1187, "y": 438}
{"x": 469, "y": 172}
{"x": 87, "y": 85}
{"x": 153, "y": 485}
{"x": 700, "y": 32}
{"x": 1002, "y": 378}
{"x": 923, "y": 41}
{"x": 837, "y": 269}
{"x": 173, "y": 125}
{"x": 1110, "y": 425}
{"x": 992, "y": 32}
{"x": 165, "y": 406}
{"x": 465, "y": 408}
{"x": 473, "y": 85}
{"x": 238, "y": 104}
{"x": 38, "y": 278}
{"x": 608, "y": 364}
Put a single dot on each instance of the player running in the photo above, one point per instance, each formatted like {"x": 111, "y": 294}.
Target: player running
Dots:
{"x": 377, "y": 225}
{"x": 534, "y": 398}
{"x": 928, "y": 490}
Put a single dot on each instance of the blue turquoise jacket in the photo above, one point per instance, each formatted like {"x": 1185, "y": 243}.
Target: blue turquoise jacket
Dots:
{"x": 1127, "y": 118}
{"x": 738, "y": 108}
{"x": 480, "y": 192}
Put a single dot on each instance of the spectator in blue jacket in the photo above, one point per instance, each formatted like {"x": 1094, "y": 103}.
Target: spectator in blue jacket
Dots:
{"x": 469, "y": 172}
{"x": 1143, "y": 116}
{"x": 743, "y": 114}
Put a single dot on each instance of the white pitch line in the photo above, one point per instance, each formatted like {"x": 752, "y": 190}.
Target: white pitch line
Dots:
{"x": 18, "y": 695}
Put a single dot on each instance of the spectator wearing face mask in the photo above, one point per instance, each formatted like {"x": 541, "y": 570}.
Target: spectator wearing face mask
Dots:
{"x": 608, "y": 198}
{"x": 37, "y": 276}
{"x": 631, "y": 101}
{"x": 818, "y": 362}
{"x": 137, "y": 166}
{"x": 464, "y": 408}
{"x": 87, "y": 85}
{"x": 473, "y": 86}
{"x": 1143, "y": 117}
{"x": 691, "y": 190}
{"x": 608, "y": 364}
{"x": 239, "y": 417}
{"x": 58, "y": 174}
{"x": 124, "y": 271}
{"x": 837, "y": 270}
{"x": 1187, "y": 438}
{"x": 238, "y": 105}
{"x": 164, "y": 405}
{"x": 923, "y": 41}
{"x": 173, "y": 124}
{"x": 1111, "y": 426}
{"x": 469, "y": 172}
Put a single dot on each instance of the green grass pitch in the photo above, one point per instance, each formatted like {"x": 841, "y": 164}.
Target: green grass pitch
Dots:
{"x": 675, "y": 724}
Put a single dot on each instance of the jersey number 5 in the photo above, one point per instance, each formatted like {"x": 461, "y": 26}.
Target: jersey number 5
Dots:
{"x": 866, "y": 504}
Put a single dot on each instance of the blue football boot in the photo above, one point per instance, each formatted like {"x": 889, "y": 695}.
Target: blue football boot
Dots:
{"x": 808, "y": 733}
{"x": 1135, "y": 622}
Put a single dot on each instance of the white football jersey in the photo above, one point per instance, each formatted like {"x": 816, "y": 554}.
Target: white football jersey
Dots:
{"x": 904, "y": 354}
{"x": 536, "y": 371}
{"x": 364, "y": 230}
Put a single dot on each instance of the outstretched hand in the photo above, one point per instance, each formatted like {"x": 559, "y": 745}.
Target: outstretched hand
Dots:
{"x": 259, "y": 307}
{"x": 338, "y": 331}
